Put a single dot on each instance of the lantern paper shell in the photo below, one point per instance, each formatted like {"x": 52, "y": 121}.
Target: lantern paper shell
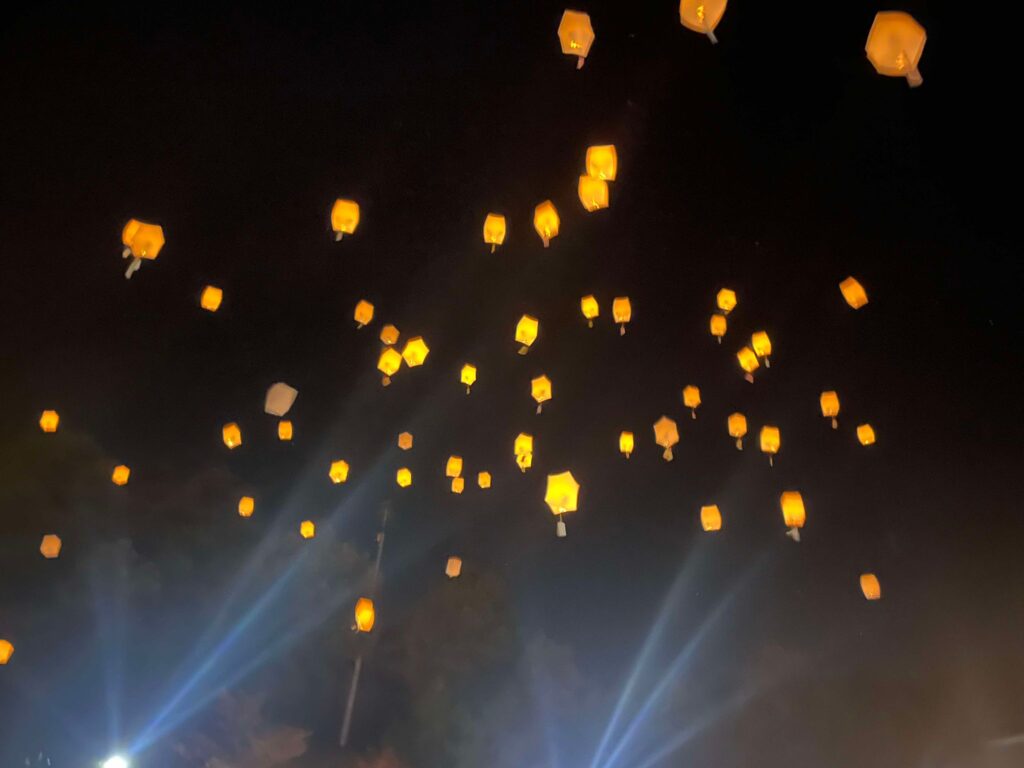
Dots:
{"x": 415, "y": 351}
{"x": 120, "y": 475}
{"x": 726, "y": 300}
{"x": 870, "y": 586}
{"x": 494, "y": 230}
{"x": 576, "y": 35}
{"x": 483, "y": 479}
{"x": 523, "y": 449}
{"x": 540, "y": 390}
{"x": 363, "y": 313}
{"x": 284, "y": 430}
{"x": 718, "y": 326}
{"x": 405, "y": 441}
{"x": 853, "y": 292}
{"x": 737, "y": 423}
{"x": 748, "y": 362}
{"x": 711, "y": 518}
{"x": 403, "y": 477}
{"x": 6, "y": 651}
{"x": 793, "y": 513}
{"x": 231, "y": 434}
{"x": 762, "y": 346}
{"x": 338, "y": 472}
{"x": 602, "y": 162}
{"x": 307, "y": 529}
{"x": 211, "y": 298}
{"x": 702, "y": 16}
{"x": 344, "y": 217}
{"x": 526, "y": 332}
{"x": 562, "y": 494}
{"x": 141, "y": 241}
{"x": 454, "y": 467}
{"x": 830, "y": 407}
{"x": 453, "y": 567}
{"x": 546, "y": 222}
{"x": 895, "y": 44}
{"x": 246, "y": 506}
{"x": 590, "y": 309}
{"x": 365, "y": 614}
{"x": 691, "y": 399}
{"x": 388, "y": 364}
{"x": 626, "y": 444}
{"x": 666, "y": 434}
{"x": 468, "y": 376}
{"x": 389, "y": 335}
{"x": 622, "y": 312}
{"x": 50, "y": 546}
{"x": 593, "y": 193}
{"x": 771, "y": 441}
{"x": 48, "y": 421}
{"x": 866, "y": 434}
{"x": 458, "y": 484}
{"x": 280, "y": 399}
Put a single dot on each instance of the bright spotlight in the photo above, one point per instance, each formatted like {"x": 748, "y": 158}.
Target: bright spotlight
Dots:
{"x": 115, "y": 762}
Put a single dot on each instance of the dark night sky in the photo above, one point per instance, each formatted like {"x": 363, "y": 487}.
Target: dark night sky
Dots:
{"x": 776, "y": 163}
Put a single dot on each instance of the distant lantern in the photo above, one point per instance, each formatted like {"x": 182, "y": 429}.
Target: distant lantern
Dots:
{"x": 576, "y": 35}
{"x": 453, "y": 568}
{"x": 246, "y": 506}
{"x": 666, "y": 434}
{"x": 718, "y": 326}
{"x": 523, "y": 449}
{"x": 6, "y": 651}
{"x": 540, "y": 390}
{"x": 691, "y": 399}
{"x": 50, "y": 546}
{"x": 338, "y": 471}
{"x": 284, "y": 430}
{"x": 405, "y": 441}
{"x": 280, "y": 398}
{"x": 747, "y": 359}
{"x": 415, "y": 351}
{"x": 602, "y": 161}
{"x": 120, "y": 475}
{"x": 793, "y": 513}
{"x": 762, "y": 346}
{"x": 211, "y": 298}
{"x": 622, "y": 312}
{"x": 48, "y": 421}
{"x": 870, "y": 586}
{"x": 231, "y": 434}
{"x": 363, "y": 313}
{"x": 141, "y": 241}
{"x": 830, "y": 407}
{"x": 561, "y": 496}
{"x": 468, "y": 376}
{"x": 389, "y": 335}
{"x": 494, "y": 230}
{"x": 307, "y": 529}
{"x": 737, "y": 428}
{"x": 711, "y": 518}
{"x": 593, "y": 193}
{"x": 546, "y": 221}
{"x": 344, "y": 217}
{"x": 458, "y": 484}
{"x": 403, "y": 477}
{"x": 590, "y": 309}
{"x": 771, "y": 441}
{"x": 866, "y": 434}
{"x": 388, "y": 363}
{"x": 853, "y": 292}
{"x": 453, "y": 468}
{"x": 483, "y": 479}
{"x": 702, "y": 16}
{"x": 365, "y": 614}
{"x": 526, "y": 332}
{"x": 895, "y": 44}
{"x": 726, "y": 300}
{"x": 626, "y": 444}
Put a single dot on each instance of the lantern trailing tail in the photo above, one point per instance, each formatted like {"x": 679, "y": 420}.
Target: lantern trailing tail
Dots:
{"x": 771, "y": 460}
{"x": 794, "y": 534}
{"x": 133, "y": 267}
{"x": 739, "y": 443}
{"x": 667, "y": 454}
{"x": 707, "y": 30}
{"x": 540, "y": 408}
{"x": 767, "y": 362}
{"x": 523, "y": 349}
{"x": 835, "y": 423}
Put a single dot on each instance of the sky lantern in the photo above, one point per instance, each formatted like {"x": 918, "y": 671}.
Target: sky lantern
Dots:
{"x": 231, "y": 434}
{"x": 284, "y": 430}
{"x": 415, "y": 351}
{"x": 405, "y": 441}
{"x": 365, "y": 614}
{"x": 388, "y": 363}
{"x": 762, "y": 346}
{"x": 771, "y": 441}
{"x": 523, "y": 449}
{"x": 307, "y": 529}
{"x": 747, "y": 359}
{"x": 626, "y": 443}
{"x": 870, "y": 586}
{"x": 468, "y": 376}
{"x": 726, "y": 300}
{"x": 246, "y": 506}
{"x": 562, "y": 495}
{"x": 702, "y": 16}
{"x": 403, "y": 477}
{"x": 622, "y": 312}
{"x": 6, "y": 651}
{"x": 853, "y": 292}
{"x": 711, "y": 518}
{"x": 454, "y": 467}
{"x": 718, "y": 326}
{"x": 494, "y": 230}
{"x": 546, "y": 221}
{"x": 590, "y": 309}
{"x": 793, "y": 513}
{"x": 576, "y": 35}
{"x": 344, "y": 217}
{"x": 280, "y": 398}
{"x": 895, "y": 44}
{"x": 338, "y": 471}
{"x": 593, "y": 193}
{"x": 389, "y": 335}
{"x": 691, "y": 399}
{"x": 866, "y": 434}
{"x": 211, "y": 298}
{"x": 458, "y": 484}
{"x": 737, "y": 428}
{"x": 453, "y": 567}
{"x": 526, "y": 332}
{"x": 141, "y": 241}
{"x": 48, "y": 421}
{"x": 120, "y": 475}
{"x": 540, "y": 390}
{"x": 50, "y": 546}
{"x": 602, "y": 162}
{"x": 363, "y": 313}
{"x": 666, "y": 434}
{"x": 483, "y": 479}
{"x": 830, "y": 407}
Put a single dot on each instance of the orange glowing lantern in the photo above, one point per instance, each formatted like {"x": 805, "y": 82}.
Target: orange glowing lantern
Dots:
{"x": 895, "y": 44}
{"x": 454, "y": 467}
{"x": 120, "y": 475}
{"x": 363, "y": 313}
{"x": 870, "y": 586}
{"x": 231, "y": 434}
{"x": 726, "y": 300}
{"x": 338, "y": 471}
{"x": 284, "y": 430}
{"x": 458, "y": 484}
{"x": 6, "y": 651}
{"x": 771, "y": 441}
{"x": 853, "y": 292}
{"x": 562, "y": 496}
{"x": 626, "y": 444}
{"x": 405, "y": 441}
{"x": 388, "y": 364}
{"x": 711, "y": 518}
{"x": 666, "y": 434}
{"x": 590, "y": 309}
{"x": 702, "y": 16}
{"x": 403, "y": 477}
{"x": 762, "y": 346}
{"x": 602, "y": 162}
{"x": 691, "y": 399}
{"x": 737, "y": 428}
{"x": 526, "y": 332}
{"x": 141, "y": 241}
{"x": 546, "y": 222}
{"x": 866, "y": 434}
{"x": 830, "y": 407}
{"x": 48, "y": 421}
{"x": 50, "y": 546}
{"x": 576, "y": 35}
{"x": 593, "y": 193}
{"x": 718, "y": 326}
{"x": 622, "y": 312}
{"x": 540, "y": 390}
{"x": 793, "y": 512}
{"x": 453, "y": 567}
{"x": 246, "y": 506}
{"x": 389, "y": 335}
{"x": 523, "y": 449}
{"x": 415, "y": 351}
{"x": 483, "y": 479}
{"x": 344, "y": 217}
{"x": 211, "y": 298}
{"x": 468, "y": 376}
{"x": 494, "y": 230}
{"x": 365, "y": 614}
{"x": 747, "y": 359}
{"x": 307, "y": 529}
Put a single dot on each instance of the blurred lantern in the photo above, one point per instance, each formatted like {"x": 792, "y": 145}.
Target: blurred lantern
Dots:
{"x": 454, "y": 467}
{"x": 540, "y": 390}
{"x": 246, "y": 506}
{"x": 338, "y": 472}
{"x": 453, "y": 568}
{"x": 593, "y": 193}
{"x": 344, "y": 217}
{"x": 363, "y": 313}
{"x": 718, "y": 327}
{"x": 762, "y": 346}
{"x": 458, "y": 484}
{"x": 231, "y": 435}
{"x": 494, "y": 230}
{"x": 280, "y": 398}
{"x": 389, "y": 335}
{"x": 405, "y": 441}
{"x": 590, "y": 309}
{"x": 853, "y": 292}
{"x": 870, "y": 587}
{"x": 666, "y": 434}
{"x": 468, "y": 376}
{"x": 711, "y": 518}
{"x": 866, "y": 434}
{"x": 526, "y": 332}
{"x": 602, "y": 162}
{"x": 284, "y": 430}
{"x": 793, "y": 512}
{"x": 388, "y": 363}
{"x": 748, "y": 362}
{"x": 141, "y": 241}
{"x": 120, "y": 475}
{"x": 626, "y": 444}
{"x": 771, "y": 441}
{"x": 50, "y": 546}
{"x": 562, "y": 495}
{"x": 365, "y": 614}
{"x": 691, "y": 399}
{"x": 523, "y": 449}
{"x": 415, "y": 351}
{"x": 6, "y": 651}
{"x": 737, "y": 428}
{"x": 726, "y": 300}
{"x": 576, "y": 35}
{"x": 622, "y": 312}
{"x": 307, "y": 529}
{"x": 546, "y": 221}
{"x": 830, "y": 407}
{"x": 895, "y": 44}
{"x": 403, "y": 477}
{"x": 702, "y": 16}
{"x": 211, "y": 298}
{"x": 48, "y": 421}
{"x": 483, "y": 479}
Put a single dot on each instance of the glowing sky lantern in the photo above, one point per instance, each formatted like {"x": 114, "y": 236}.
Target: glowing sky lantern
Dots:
{"x": 576, "y": 35}
{"x": 49, "y": 547}
{"x": 666, "y": 434}
{"x": 415, "y": 351}
{"x": 702, "y": 16}
{"x": 389, "y": 335}
{"x": 363, "y": 313}
{"x": 246, "y": 506}
{"x": 540, "y": 390}
{"x": 771, "y": 441}
{"x": 593, "y": 193}
{"x": 231, "y": 434}
{"x": 622, "y": 312}
{"x": 747, "y": 359}
{"x": 468, "y": 376}
{"x": 691, "y": 399}
{"x": 453, "y": 567}
{"x": 141, "y": 241}
{"x": 590, "y": 309}
{"x": 526, "y": 332}
{"x": 895, "y": 44}
{"x": 453, "y": 468}
{"x": 494, "y": 230}
{"x": 718, "y": 326}
{"x": 388, "y": 364}
{"x": 830, "y": 407}
{"x": 711, "y": 518}
{"x": 344, "y": 217}
{"x": 762, "y": 346}
{"x": 405, "y": 441}
{"x": 853, "y": 292}
{"x": 866, "y": 434}
{"x": 6, "y": 651}
{"x": 120, "y": 475}
{"x": 280, "y": 398}
{"x": 365, "y": 614}
{"x": 602, "y": 161}
{"x": 307, "y": 529}
{"x": 870, "y": 586}
{"x": 546, "y": 222}
{"x": 523, "y": 449}
{"x": 726, "y": 300}
{"x": 737, "y": 428}
{"x": 338, "y": 471}
{"x": 561, "y": 496}
{"x": 48, "y": 421}
{"x": 211, "y": 298}
{"x": 285, "y": 430}
{"x": 626, "y": 443}
{"x": 483, "y": 479}
{"x": 403, "y": 477}
{"x": 793, "y": 512}
{"x": 458, "y": 484}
